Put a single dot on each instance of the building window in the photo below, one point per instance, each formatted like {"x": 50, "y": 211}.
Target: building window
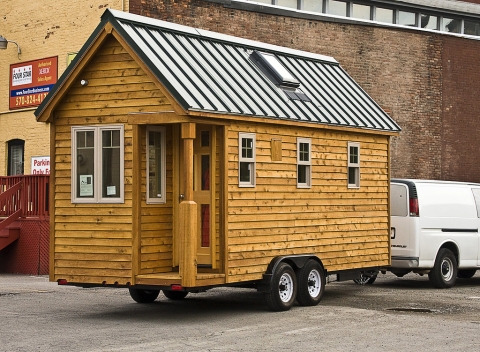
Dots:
{"x": 383, "y": 15}
{"x": 304, "y": 163}
{"x": 353, "y": 164}
{"x": 156, "y": 165}
{"x": 361, "y": 11}
{"x": 246, "y": 157}
{"x": 337, "y": 8}
{"x": 429, "y": 22}
{"x": 407, "y": 19}
{"x": 16, "y": 151}
{"x": 97, "y": 164}
{"x": 451, "y": 25}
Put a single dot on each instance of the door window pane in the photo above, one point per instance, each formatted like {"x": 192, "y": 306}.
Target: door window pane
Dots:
{"x": 15, "y": 157}
{"x": 205, "y": 214}
{"x": 205, "y": 173}
{"x": 155, "y": 165}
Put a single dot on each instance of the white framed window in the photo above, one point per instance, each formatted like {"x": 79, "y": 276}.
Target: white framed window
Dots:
{"x": 156, "y": 165}
{"x": 353, "y": 165}
{"x": 304, "y": 162}
{"x": 98, "y": 164}
{"x": 246, "y": 159}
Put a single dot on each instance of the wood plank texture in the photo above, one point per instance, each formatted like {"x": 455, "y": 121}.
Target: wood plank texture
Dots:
{"x": 346, "y": 228}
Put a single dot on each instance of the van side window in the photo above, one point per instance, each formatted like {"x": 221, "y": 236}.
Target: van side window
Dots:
{"x": 399, "y": 200}
{"x": 476, "y": 195}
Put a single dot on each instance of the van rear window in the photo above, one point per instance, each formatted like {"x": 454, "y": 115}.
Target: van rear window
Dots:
{"x": 399, "y": 200}
{"x": 476, "y": 195}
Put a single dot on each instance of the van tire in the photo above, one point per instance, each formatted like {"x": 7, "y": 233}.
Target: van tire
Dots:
{"x": 283, "y": 290}
{"x": 143, "y": 296}
{"x": 466, "y": 273}
{"x": 311, "y": 283}
{"x": 444, "y": 272}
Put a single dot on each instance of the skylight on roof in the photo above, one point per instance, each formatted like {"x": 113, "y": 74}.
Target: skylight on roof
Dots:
{"x": 274, "y": 69}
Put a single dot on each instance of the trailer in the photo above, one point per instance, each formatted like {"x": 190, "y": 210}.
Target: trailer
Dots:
{"x": 184, "y": 160}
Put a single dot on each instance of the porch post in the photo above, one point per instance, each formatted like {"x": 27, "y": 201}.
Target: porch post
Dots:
{"x": 188, "y": 212}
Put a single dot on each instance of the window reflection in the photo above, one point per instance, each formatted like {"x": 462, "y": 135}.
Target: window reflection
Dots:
{"x": 452, "y": 25}
{"x": 429, "y": 22}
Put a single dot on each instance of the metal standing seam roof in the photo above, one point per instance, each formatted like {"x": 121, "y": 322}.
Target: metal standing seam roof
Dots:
{"x": 211, "y": 72}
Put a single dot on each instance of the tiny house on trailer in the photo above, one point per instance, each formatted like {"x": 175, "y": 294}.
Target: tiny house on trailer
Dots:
{"x": 185, "y": 160}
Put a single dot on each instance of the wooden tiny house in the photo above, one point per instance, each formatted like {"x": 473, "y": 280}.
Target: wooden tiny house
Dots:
{"x": 185, "y": 159}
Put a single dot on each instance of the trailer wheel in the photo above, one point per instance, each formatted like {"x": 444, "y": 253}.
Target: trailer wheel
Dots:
{"x": 175, "y": 295}
{"x": 466, "y": 273}
{"x": 284, "y": 288}
{"x": 444, "y": 272}
{"x": 143, "y": 296}
{"x": 311, "y": 283}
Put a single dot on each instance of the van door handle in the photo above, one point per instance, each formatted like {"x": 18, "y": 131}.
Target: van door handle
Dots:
{"x": 392, "y": 233}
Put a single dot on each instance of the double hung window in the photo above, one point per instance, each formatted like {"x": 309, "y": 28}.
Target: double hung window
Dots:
{"x": 98, "y": 164}
{"x": 246, "y": 158}
{"x": 304, "y": 163}
{"x": 353, "y": 164}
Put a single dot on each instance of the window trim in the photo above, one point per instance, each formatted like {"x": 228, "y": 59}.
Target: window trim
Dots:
{"x": 97, "y": 173}
{"x": 355, "y": 166}
{"x": 252, "y": 160}
{"x": 163, "y": 174}
{"x": 308, "y": 163}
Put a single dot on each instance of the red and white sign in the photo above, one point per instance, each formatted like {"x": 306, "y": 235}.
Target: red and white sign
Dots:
{"x": 31, "y": 81}
{"x": 40, "y": 165}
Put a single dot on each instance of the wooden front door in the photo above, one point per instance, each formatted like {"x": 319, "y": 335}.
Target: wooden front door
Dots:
{"x": 203, "y": 191}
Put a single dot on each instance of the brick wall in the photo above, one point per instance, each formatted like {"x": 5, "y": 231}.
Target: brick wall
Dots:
{"x": 461, "y": 110}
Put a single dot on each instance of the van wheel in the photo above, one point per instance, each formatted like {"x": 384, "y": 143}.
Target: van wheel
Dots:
{"x": 284, "y": 288}
{"x": 311, "y": 283}
{"x": 143, "y": 296}
{"x": 466, "y": 273}
{"x": 175, "y": 295}
{"x": 444, "y": 272}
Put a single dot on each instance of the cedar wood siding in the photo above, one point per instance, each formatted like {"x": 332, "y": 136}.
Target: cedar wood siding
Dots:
{"x": 346, "y": 228}
{"x": 93, "y": 242}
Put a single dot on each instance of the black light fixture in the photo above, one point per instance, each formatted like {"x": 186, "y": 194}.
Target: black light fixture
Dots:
{"x": 4, "y": 42}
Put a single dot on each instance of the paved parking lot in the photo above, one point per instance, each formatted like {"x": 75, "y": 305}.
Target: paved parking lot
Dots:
{"x": 391, "y": 315}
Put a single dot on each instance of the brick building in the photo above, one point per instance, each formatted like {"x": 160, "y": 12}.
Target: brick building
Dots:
{"x": 417, "y": 58}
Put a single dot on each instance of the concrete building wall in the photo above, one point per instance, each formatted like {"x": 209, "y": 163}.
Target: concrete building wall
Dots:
{"x": 41, "y": 29}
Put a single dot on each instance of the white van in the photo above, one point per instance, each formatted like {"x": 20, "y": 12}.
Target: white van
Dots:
{"x": 434, "y": 229}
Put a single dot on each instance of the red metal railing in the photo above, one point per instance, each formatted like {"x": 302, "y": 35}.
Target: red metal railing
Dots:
{"x": 25, "y": 193}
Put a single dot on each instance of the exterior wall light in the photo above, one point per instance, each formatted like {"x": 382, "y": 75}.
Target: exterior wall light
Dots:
{"x": 4, "y": 42}
{"x": 84, "y": 82}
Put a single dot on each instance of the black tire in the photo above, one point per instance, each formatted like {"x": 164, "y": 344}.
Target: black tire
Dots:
{"x": 466, "y": 273}
{"x": 366, "y": 278}
{"x": 175, "y": 295}
{"x": 444, "y": 272}
{"x": 311, "y": 283}
{"x": 283, "y": 291}
{"x": 143, "y": 296}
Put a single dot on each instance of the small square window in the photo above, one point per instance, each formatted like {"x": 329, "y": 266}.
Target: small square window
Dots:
{"x": 353, "y": 165}
{"x": 304, "y": 163}
{"x": 246, "y": 160}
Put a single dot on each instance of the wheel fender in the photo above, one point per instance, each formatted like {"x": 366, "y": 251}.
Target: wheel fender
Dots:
{"x": 295, "y": 261}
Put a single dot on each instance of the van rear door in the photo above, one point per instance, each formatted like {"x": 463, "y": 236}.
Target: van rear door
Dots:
{"x": 476, "y": 196}
{"x": 403, "y": 234}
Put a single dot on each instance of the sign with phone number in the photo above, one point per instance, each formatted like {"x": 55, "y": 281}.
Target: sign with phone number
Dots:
{"x": 31, "y": 81}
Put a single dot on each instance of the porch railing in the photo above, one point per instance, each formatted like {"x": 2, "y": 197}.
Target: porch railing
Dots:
{"x": 24, "y": 195}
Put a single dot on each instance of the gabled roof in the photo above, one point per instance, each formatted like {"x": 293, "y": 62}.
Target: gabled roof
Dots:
{"x": 207, "y": 72}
